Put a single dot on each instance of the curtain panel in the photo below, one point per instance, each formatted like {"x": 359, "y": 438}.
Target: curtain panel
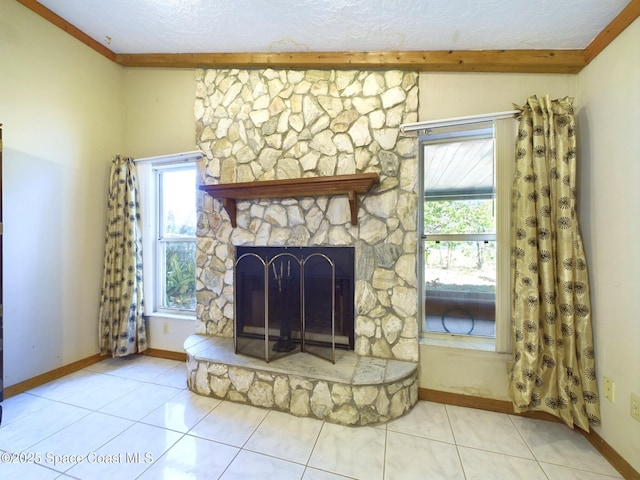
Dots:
{"x": 553, "y": 367}
{"x": 122, "y": 329}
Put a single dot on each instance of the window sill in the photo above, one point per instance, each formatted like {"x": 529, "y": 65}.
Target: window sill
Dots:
{"x": 459, "y": 341}
{"x": 172, "y": 316}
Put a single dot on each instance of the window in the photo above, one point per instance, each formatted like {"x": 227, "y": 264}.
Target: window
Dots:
{"x": 464, "y": 220}
{"x": 176, "y": 238}
{"x": 168, "y": 197}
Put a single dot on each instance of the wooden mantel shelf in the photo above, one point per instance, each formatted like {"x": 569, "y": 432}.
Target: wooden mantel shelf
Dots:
{"x": 350, "y": 185}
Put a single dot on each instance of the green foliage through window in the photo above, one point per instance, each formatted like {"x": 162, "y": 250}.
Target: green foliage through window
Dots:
{"x": 180, "y": 275}
{"x": 458, "y": 216}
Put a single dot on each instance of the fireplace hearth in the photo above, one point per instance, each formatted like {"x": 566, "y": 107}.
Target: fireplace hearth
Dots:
{"x": 293, "y": 299}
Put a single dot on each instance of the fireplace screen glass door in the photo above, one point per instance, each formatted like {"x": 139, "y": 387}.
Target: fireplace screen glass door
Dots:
{"x": 292, "y": 299}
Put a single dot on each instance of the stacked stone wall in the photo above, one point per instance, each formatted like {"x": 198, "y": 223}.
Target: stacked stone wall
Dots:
{"x": 273, "y": 124}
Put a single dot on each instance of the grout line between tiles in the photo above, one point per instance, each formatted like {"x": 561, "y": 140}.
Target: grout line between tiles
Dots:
{"x": 183, "y": 434}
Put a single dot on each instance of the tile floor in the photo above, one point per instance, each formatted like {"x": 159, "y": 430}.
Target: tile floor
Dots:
{"x": 134, "y": 418}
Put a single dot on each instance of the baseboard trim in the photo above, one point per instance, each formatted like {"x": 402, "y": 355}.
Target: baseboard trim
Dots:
{"x": 20, "y": 387}
{"x": 168, "y": 354}
{"x": 623, "y": 467}
{"x": 501, "y": 406}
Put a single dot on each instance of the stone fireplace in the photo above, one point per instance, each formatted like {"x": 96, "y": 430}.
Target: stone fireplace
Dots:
{"x": 266, "y": 125}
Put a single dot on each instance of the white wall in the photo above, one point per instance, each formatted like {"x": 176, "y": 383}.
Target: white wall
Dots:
{"x": 609, "y": 195}
{"x": 159, "y": 120}
{"x": 61, "y": 106}
{"x": 446, "y": 95}
{"x": 159, "y": 116}
{"x": 66, "y": 111}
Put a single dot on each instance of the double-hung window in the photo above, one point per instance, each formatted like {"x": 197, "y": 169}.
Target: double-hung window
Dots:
{"x": 175, "y": 248}
{"x": 168, "y": 191}
{"x": 464, "y": 221}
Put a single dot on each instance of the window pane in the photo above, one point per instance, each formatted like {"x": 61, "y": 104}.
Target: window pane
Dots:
{"x": 178, "y": 203}
{"x": 462, "y": 167}
{"x": 460, "y": 286}
{"x": 179, "y": 262}
{"x": 459, "y": 216}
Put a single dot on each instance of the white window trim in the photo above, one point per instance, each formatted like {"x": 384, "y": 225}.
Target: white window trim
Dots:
{"x": 504, "y": 149}
{"x": 455, "y": 121}
{"x": 148, "y": 188}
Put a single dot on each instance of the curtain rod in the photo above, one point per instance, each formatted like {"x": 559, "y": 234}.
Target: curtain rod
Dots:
{"x": 449, "y": 122}
{"x": 182, "y": 156}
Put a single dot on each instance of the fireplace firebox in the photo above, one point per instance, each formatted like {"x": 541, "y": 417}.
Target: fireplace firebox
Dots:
{"x": 293, "y": 299}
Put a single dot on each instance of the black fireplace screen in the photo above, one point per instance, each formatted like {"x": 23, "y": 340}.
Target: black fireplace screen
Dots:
{"x": 290, "y": 299}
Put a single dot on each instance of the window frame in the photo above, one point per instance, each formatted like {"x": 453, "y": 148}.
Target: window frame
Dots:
{"x": 504, "y": 150}
{"x": 149, "y": 170}
{"x": 161, "y": 240}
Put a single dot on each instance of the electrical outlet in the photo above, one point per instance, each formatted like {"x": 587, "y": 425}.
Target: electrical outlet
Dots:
{"x": 165, "y": 328}
{"x": 609, "y": 388}
{"x": 635, "y": 406}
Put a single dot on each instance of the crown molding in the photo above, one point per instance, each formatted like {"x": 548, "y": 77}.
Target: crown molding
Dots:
{"x": 625, "y": 18}
{"x": 512, "y": 61}
{"x": 526, "y": 61}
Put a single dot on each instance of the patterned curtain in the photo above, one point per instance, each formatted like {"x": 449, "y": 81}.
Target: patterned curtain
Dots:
{"x": 122, "y": 329}
{"x": 553, "y": 368}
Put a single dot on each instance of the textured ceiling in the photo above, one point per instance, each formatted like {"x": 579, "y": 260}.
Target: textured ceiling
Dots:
{"x": 217, "y": 26}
